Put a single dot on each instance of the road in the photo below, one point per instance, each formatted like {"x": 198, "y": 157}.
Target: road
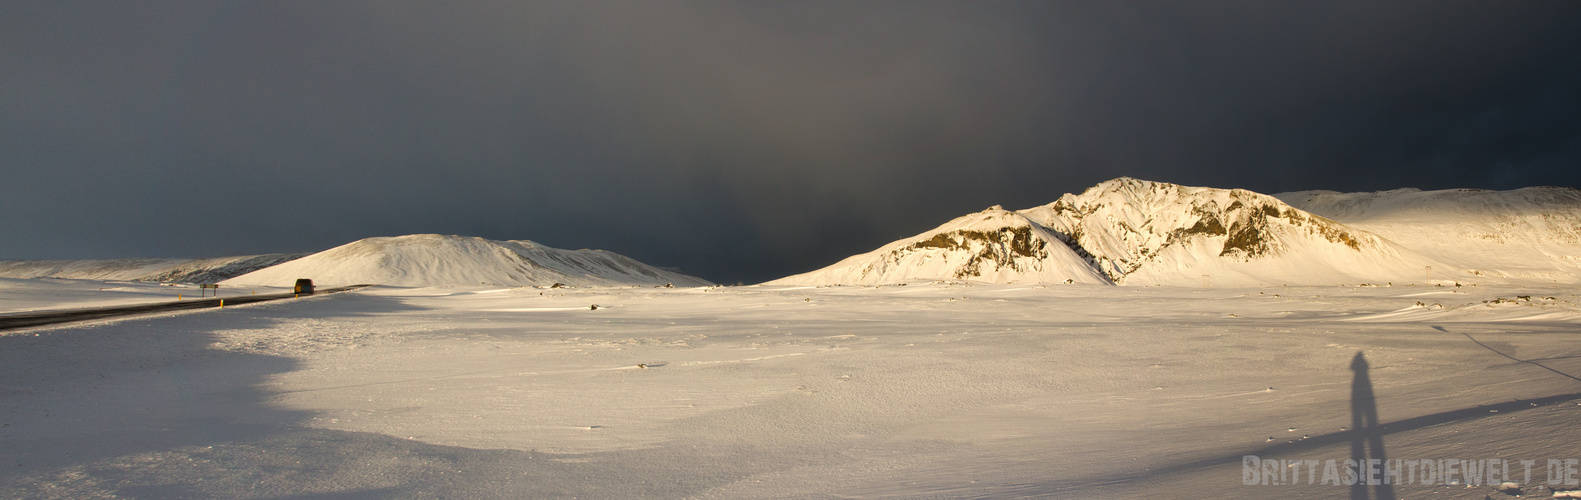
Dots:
{"x": 36, "y": 318}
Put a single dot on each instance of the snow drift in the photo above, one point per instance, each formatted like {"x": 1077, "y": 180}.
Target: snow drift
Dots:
{"x": 1136, "y": 232}
{"x": 432, "y": 259}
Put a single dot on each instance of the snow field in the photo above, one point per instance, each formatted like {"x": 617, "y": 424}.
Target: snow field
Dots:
{"x": 929, "y": 389}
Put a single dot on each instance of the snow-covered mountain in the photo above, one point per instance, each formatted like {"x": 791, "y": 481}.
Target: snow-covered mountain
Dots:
{"x": 162, "y": 270}
{"x": 993, "y": 245}
{"x": 432, "y": 259}
{"x": 1145, "y": 233}
{"x": 1523, "y": 234}
{"x": 1136, "y": 232}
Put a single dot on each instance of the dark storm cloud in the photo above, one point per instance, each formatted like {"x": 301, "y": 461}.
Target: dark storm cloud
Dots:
{"x": 743, "y": 141}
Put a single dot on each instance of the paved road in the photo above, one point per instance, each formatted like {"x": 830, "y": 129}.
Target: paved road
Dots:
{"x": 36, "y": 318}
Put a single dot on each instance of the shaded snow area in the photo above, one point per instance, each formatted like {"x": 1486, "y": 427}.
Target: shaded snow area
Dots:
{"x": 437, "y": 260}
{"x": 926, "y": 390}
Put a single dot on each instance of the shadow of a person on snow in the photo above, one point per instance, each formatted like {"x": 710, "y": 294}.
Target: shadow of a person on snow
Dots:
{"x": 1366, "y": 437}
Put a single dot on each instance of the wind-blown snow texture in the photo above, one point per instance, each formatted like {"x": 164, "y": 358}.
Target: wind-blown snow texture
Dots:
{"x": 205, "y": 271}
{"x": 434, "y": 260}
{"x": 1136, "y": 232}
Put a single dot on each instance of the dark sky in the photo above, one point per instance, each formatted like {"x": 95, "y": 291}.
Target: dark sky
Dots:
{"x": 742, "y": 141}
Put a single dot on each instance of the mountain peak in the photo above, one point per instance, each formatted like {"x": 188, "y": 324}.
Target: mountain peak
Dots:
{"x": 1145, "y": 230}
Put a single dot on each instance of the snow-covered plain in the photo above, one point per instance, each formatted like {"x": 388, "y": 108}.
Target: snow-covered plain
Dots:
{"x": 925, "y": 390}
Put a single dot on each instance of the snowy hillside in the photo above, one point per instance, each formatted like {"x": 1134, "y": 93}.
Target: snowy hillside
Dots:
{"x": 432, "y": 259}
{"x": 1145, "y": 233}
{"x": 1135, "y": 232}
{"x": 162, "y": 270}
{"x": 1523, "y": 234}
{"x": 993, "y": 245}
{"x": 220, "y": 269}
